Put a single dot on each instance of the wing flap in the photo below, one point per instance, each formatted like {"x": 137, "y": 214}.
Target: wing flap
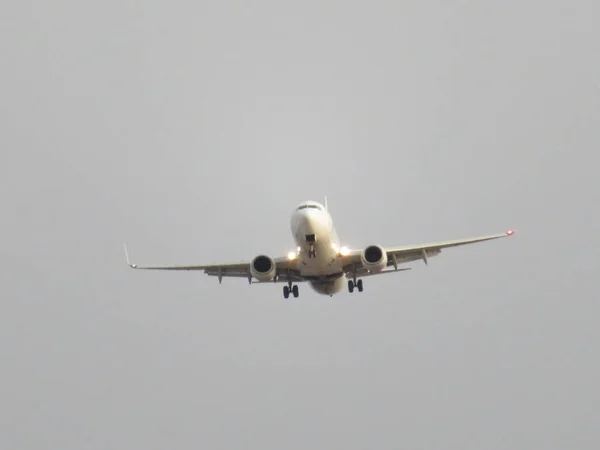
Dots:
{"x": 362, "y": 272}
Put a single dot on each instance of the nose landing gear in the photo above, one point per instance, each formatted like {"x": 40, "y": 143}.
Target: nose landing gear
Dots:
{"x": 311, "y": 239}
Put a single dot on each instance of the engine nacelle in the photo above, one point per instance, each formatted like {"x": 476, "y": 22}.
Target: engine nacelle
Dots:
{"x": 374, "y": 258}
{"x": 263, "y": 268}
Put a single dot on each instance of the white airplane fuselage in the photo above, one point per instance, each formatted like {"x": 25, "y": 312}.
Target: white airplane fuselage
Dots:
{"x": 318, "y": 248}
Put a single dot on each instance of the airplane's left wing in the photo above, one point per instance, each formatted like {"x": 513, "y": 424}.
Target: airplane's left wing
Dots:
{"x": 400, "y": 255}
{"x": 239, "y": 269}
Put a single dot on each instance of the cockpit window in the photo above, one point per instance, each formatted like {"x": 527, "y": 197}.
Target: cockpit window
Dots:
{"x": 309, "y": 206}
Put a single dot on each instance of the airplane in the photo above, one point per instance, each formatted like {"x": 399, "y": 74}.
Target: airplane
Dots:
{"x": 320, "y": 259}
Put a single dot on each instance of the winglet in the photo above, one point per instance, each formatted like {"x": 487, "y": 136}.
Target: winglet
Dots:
{"x": 133, "y": 266}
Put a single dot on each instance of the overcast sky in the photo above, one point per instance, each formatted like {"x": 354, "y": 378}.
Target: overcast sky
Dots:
{"x": 191, "y": 129}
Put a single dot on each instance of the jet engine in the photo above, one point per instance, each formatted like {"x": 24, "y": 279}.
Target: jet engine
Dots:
{"x": 263, "y": 268}
{"x": 374, "y": 258}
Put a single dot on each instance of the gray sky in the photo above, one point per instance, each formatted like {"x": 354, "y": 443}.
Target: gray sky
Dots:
{"x": 191, "y": 130}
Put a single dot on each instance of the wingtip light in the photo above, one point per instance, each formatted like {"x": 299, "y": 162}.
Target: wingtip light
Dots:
{"x": 510, "y": 232}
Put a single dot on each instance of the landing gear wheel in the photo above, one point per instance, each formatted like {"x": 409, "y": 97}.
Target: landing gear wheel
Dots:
{"x": 358, "y": 285}
{"x": 286, "y": 292}
{"x": 311, "y": 251}
{"x": 295, "y": 291}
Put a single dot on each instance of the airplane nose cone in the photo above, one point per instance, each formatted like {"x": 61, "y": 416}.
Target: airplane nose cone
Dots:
{"x": 305, "y": 222}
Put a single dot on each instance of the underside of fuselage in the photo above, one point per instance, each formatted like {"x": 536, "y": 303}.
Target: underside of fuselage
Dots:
{"x": 328, "y": 287}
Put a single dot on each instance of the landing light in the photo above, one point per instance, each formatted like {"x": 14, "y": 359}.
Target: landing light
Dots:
{"x": 344, "y": 251}
{"x": 291, "y": 255}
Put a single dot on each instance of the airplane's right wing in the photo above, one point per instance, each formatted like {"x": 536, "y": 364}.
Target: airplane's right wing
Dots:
{"x": 241, "y": 269}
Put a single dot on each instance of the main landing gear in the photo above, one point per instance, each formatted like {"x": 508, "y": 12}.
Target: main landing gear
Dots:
{"x": 290, "y": 289}
{"x": 311, "y": 251}
{"x": 355, "y": 284}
